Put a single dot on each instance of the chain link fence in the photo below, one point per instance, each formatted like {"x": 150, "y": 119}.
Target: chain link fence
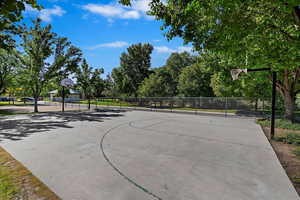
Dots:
{"x": 195, "y": 105}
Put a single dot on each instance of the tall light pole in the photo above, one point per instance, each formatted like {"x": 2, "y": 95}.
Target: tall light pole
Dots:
{"x": 235, "y": 74}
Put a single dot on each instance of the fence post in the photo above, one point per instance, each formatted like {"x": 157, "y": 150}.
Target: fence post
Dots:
{"x": 263, "y": 106}
{"x": 226, "y": 106}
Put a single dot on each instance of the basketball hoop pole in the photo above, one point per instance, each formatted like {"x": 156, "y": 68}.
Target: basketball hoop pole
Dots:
{"x": 63, "y": 99}
{"x": 274, "y": 79}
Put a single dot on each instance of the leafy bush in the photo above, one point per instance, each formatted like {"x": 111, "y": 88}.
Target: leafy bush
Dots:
{"x": 280, "y": 123}
{"x": 290, "y": 138}
{"x": 293, "y": 139}
{"x": 297, "y": 152}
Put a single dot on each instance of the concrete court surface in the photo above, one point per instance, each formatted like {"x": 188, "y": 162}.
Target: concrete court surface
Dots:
{"x": 137, "y": 155}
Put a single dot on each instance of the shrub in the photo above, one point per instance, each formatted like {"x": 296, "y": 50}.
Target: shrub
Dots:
{"x": 290, "y": 138}
{"x": 297, "y": 152}
{"x": 280, "y": 123}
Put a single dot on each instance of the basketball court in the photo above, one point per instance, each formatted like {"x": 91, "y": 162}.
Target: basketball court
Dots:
{"x": 135, "y": 155}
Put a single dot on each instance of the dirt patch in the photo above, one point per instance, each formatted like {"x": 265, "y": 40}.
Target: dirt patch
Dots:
{"x": 27, "y": 186}
{"x": 285, "y": 153}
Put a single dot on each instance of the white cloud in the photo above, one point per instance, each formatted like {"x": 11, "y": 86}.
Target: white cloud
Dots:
{"x": 104, "y": 10}
{"x": 46, "y": 14}
{"x": 117, "y": 44}
{"x": 185, "y": 48}
{"x": 112, "y": 11}
{"x": 136, "y": 11}
{"x": 141, "y": 5}
{"x": 131, "y": 15}
{"x": 28, "y": 8}
{"x": 165, "y": 49}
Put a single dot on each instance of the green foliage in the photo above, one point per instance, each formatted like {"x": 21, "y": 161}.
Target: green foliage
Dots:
{"x": 134, "y": 68}
{"x": 194, "y": 81}
{"x": 293, "y": 139}
{"x": 39, "y": 44}
{"x": 290, "y": 138}
{"x": 248, "y": 85}
{"x": 8, "y": 65}
{"x": 157, "y": 85}
{"x": 267, "y": 32}
{"x": 280, "y": 123}
{"x": 11, "y": 12}
{"x": 297, "y": 153}
{"x": 110, "y": 87}
{"x": 89, "y": 80}
{"x": 164, "y": 81}
{"x": 174, "y": 65}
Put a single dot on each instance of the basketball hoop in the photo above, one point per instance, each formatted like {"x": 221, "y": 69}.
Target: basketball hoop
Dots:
{"x": 235, "y": 73}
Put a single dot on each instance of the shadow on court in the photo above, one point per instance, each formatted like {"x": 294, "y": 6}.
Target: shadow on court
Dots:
{"x": 21, "y": 126}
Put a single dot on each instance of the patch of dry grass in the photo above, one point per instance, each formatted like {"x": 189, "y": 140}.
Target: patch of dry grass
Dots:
{"x": 19, "y": 183}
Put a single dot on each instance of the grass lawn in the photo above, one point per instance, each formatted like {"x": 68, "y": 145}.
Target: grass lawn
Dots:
{"x": 6, "y": 112}
{"x": 6, "y": 103}
{"x": 110, "y": 103}
{"x": 17, "y": 182}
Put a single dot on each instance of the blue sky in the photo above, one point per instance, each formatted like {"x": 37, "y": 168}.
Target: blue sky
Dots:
{"x": 104, "y": 29}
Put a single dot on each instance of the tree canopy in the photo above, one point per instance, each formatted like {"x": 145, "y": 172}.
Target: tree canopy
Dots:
{"x": 11, "y": 12}
{"x": 194, "y": 81}
{"x": 134, "y": 68}
{"x": 88, "y": 80}
{"x": 39, "y": 43}
{"x": 8, "y": 66}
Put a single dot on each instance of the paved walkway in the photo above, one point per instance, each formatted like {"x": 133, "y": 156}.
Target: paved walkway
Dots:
{"x": 147, "y": 155}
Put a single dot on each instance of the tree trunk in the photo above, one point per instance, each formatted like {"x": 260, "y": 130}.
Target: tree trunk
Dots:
{"x": 289, "y": 105}
{"x": 287, "y": 87}
{"x": 36, "y": 104}
{"x": 256, "y": 104}
{"x": 89, "y": 100}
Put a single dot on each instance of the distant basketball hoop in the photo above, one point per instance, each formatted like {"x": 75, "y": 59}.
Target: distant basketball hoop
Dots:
{"x": 67, "y": 82}
{"x": 235, "y": 75}
{"x": 236, "y": 72}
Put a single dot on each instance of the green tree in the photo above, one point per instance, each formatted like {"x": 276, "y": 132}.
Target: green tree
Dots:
{"x": 134, "y": 68}
{"x": 99, "y": 86}
{"x": 194, "y": 81}
{"x": 39, "y": 44}
{"x": 120, "y": 83}
{"x": 265, "y": 32}
{"x": 110, "y": 87}
{"x": 11, "y": 12}
{"x": 88, "y": 80}
{"x": 164, "y": 81}
{"x": 8, "y": 65}
{"x": 157, "y": 84}
{"x": 250, "y": 85}
{"x": 174, "y": 65}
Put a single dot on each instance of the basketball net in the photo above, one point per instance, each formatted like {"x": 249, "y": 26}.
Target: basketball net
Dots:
{"x": 235, "y": 73}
